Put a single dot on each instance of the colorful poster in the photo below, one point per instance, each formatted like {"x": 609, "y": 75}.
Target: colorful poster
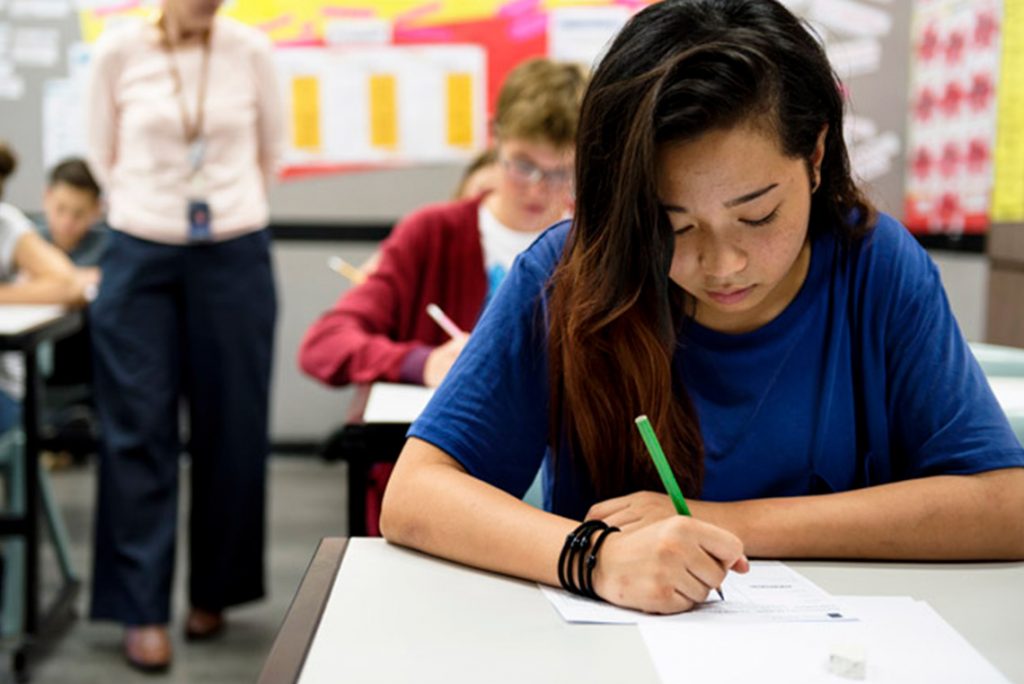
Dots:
{"x": 382, "y": 105}
{"x": 398, "y": 82}
{"x": 1008, "y": 190}
{"x": 952, "y": 115}
{"x": 414, "y": 81}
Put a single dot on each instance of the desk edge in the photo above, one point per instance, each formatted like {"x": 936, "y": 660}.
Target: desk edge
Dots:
{"x": 294, "y": 638}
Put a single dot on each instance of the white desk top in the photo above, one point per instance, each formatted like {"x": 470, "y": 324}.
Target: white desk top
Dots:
{"x": 19, "y": 318}
{"x": 395, "y": 615}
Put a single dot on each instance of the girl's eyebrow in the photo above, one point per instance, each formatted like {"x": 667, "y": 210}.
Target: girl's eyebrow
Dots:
{"x": 750, "y": 196}
{"x": 735, "y": 202}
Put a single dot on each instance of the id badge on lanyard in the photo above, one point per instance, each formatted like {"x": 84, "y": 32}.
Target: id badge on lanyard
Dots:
{"x": 197, "y": 212}
{"x": 198, "y": 208}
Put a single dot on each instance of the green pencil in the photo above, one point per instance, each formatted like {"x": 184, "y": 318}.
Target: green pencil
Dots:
{"x": 665, "y": 471}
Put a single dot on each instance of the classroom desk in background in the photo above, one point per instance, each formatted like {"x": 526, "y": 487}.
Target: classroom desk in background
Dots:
{"x": 370, "y": 611}
{"x": 378, "y": 417}
{"x": 22, "y": 329}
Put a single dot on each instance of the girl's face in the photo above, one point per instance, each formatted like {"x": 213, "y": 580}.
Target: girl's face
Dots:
{"x": 740, "y": 208}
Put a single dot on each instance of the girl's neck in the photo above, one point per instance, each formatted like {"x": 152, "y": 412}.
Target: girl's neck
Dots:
{"x": 179, "y": 32}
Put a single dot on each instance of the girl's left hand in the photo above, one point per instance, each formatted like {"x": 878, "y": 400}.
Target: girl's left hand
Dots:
{"x": 633, "y": 511}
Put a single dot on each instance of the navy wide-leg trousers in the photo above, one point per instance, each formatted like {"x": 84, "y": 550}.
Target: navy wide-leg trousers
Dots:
{"x": 173, "y": 323}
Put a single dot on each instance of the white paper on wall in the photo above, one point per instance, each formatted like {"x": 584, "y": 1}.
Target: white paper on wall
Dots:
{"x": 35, "y": 46}
{"x": 39, "y": 9}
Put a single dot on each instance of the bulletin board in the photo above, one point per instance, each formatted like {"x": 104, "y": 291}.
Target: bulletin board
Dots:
{"x": 956, "y": 51}
{"x": 966, "y": 116}
{"x": 424, "y": 75}
{"x": 377, "y": 84}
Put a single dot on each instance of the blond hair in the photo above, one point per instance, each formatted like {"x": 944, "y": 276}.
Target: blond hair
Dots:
{"x": 540, "y": 102}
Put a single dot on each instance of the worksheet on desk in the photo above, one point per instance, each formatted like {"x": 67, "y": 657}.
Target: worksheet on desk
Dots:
{"x": 896, "y": 640}
{"x": 770, "y": 592}
{"x": 394, "y": 403}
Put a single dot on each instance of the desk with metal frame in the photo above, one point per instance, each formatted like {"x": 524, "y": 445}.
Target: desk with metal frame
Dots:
{"x": 390, "y": 614}
{"x": 23, "y": 329}
{"x": 360, "y": 445}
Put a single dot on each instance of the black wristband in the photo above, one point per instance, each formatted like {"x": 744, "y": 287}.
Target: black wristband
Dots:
{"x": 588, "y": 578}
{"x": 571, "y": 561}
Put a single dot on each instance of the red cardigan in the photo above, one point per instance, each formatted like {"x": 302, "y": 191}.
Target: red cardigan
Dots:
{"x": 380, "y": 330}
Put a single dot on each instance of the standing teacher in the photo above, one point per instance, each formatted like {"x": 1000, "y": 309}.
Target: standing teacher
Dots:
{"x": 185, "y": 127}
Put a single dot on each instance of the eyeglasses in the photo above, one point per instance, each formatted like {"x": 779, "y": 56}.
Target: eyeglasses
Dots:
{"x": 528, "y": 173}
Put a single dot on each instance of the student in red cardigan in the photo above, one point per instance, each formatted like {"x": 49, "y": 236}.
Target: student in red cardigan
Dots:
{"x": 455, "y": 254}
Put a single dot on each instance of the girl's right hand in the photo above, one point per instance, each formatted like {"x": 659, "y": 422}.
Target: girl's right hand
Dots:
{"x": 668, "y": 566}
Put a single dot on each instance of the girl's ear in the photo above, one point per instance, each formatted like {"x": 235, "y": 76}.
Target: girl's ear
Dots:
{"x": 817, "y": 157}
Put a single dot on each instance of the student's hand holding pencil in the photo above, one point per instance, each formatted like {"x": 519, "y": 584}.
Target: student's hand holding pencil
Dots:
{"x": 667, "y": 566}
{"x": 443, "y": 357}
{"x": 440, "y": 361}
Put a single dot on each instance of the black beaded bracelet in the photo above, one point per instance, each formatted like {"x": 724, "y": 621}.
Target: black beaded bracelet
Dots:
{"x": 570, "y": 548}
{"x": 588, "y": 584}
{"x": 575, "y": 565}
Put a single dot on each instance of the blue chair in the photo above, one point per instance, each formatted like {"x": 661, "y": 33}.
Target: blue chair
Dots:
{"x": 1004, "y": 367}
{"x": 12, "y": 599}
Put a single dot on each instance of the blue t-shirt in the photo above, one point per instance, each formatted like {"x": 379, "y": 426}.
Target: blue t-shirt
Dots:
{"x": 863, "y": 379}
{"x": 89, "y": 250}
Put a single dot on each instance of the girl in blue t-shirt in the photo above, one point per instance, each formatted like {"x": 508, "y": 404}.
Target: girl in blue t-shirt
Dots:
{"x": 724, "y": 275}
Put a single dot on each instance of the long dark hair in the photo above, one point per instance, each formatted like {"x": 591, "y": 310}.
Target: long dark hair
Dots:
{"x": 678, "y": 69}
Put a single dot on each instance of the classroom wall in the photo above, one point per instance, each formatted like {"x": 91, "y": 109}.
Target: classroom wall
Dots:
{"x": 302, "y": 410}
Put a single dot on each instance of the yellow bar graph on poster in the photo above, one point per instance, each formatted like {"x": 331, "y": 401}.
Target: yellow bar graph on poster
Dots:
{"x": 460, "y": 110}
{"x": 306, "y": 113}
{"x": 1008, "y": 190}
{"x": 383, "y": 111}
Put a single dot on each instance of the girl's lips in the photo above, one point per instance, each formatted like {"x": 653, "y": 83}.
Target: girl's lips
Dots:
{"x": 729, "y": 296}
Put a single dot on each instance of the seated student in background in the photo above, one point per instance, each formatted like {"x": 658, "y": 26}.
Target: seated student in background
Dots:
{"x": 724, "y": 275}
{"x": 72, "y": 209}
{"x": 31, "y": 272}
{"x": 455, "y": 254}
{"x": 478, "y": 178}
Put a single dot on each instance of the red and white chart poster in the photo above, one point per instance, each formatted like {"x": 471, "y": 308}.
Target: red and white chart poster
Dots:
{"x": 952, "y": 127}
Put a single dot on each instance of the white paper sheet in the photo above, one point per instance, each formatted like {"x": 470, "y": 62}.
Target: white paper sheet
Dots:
{"x": 394, "y": 403}
{"x": 903, "y": 641}
{"x": 39, "y": 9}
{"x": 770, "y": 592}
{"x": 36, "y": 47}
{"x": 850, "y": 17}
{"x": 582, "y": 34}
{"x": 63, "y": 126}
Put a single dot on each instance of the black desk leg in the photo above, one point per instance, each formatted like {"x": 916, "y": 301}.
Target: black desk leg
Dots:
{"x": 30, "y": 419}
{"x": 358, "y": 484}
{"x": 41, "y": 629}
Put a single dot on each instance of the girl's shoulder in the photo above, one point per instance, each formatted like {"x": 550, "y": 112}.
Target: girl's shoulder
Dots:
{"x": 546, "y": 251}
{"x": 890, "y": 250}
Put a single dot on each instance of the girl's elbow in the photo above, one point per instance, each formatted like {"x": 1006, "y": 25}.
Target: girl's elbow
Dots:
{"x": 399, "y": 525}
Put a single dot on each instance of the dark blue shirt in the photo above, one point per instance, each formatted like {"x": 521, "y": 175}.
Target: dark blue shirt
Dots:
{"x": 90, "y": 248}
{"x": 863, "y": 379}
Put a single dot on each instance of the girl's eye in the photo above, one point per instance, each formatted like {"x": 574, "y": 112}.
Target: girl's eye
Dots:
{"x": 683, "y": 230}
{"x": 764, "y": 221}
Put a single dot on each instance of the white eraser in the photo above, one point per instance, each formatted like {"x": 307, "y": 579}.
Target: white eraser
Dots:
{"x": 848, "y": 660}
